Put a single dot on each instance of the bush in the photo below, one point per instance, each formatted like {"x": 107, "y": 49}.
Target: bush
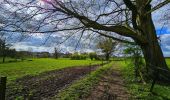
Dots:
{"x": 77, "y": 56}
{"x": 93, "y": 55}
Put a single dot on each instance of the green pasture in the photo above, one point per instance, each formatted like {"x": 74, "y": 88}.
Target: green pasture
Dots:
{"x": 168, "y": 62}
{"x": 7, "y": 59}
{"x": 137, "y": 90}
{"x": 141, "y": 91}
{"x": 19, "y": 69}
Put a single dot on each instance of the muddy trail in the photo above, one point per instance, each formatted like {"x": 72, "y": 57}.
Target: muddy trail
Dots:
{"x": 45, "y": 85}
{"x": 110, "y": 87}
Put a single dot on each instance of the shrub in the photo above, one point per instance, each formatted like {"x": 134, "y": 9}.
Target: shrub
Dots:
{"x": 77, "y": 56}
{"x": 93, "y": 55}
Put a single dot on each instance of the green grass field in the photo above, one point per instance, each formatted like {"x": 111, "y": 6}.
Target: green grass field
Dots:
{"x": 19, "y": 69}
{"x": 168, "y": 62}
{"x": 15, "y": 70}
{"x": 141, "y": 91}
{"x": 138, "y": 90}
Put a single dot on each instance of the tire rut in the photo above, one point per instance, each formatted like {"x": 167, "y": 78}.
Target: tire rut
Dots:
{"x": 110, "y": 87}
{"x": 45, "y": 85}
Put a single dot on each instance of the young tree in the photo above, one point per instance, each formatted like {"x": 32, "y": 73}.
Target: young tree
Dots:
{"x": 128, "y": 18}
{"x": 30, "y": 52}
{"x": 11, "y": 53}
{"x": 3, "y": 49}
{"x": 56, "y": 53}
{"x": 135, "y": 54}
{"x": 107, "y": 45}
{"x": 93, "y": 55}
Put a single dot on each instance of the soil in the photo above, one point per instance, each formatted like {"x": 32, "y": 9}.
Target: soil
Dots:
{"x": 45, "y": 85}
{"x": 110, "y": 87}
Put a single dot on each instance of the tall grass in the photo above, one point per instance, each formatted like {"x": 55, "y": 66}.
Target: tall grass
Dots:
{"x": 141, "y": 91}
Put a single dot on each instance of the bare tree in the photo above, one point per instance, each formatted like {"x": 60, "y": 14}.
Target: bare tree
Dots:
{"x": 110, "y": 18}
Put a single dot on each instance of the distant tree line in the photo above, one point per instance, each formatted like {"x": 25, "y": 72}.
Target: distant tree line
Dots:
{"x": 107, "y": 46}
{"x": 77, "y": 56}
{"x": 84, "y": 56}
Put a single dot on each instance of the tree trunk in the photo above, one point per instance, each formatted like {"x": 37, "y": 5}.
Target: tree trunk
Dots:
{"x": 136, "y": 64}
{"x": 154, "y": 59}
{"x": 3, "y": 59}
{"x": 152, "y": 52}
{"x": 107, "y": 56}
{"x": 3, "y": 54}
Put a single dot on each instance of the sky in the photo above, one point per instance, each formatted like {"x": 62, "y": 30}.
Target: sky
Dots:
{"x": 40, "y": 42}
{"x": 162, "y": 29}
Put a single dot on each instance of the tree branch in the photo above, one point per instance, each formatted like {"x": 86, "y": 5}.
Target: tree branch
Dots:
{"x": 52, "y": 31}
{"x": 130, "y": 5}
{"x": 114, "y": 38}
{"x": 119, "y": 29}
{"x": 159, "y": 6}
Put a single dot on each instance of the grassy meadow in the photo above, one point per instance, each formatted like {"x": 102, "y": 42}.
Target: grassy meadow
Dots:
{"x": 138, "y": 90}
{"x": 14, "y": 70}
{"x": 141, "y": 91}
{"x": 168, "y": 61}
{"x": 19, "y": 69}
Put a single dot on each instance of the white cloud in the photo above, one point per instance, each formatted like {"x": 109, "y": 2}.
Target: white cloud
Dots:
{"x": 25, "y": 46}
{"x": 22, "y": 46}
{"x": 165, "y": 44}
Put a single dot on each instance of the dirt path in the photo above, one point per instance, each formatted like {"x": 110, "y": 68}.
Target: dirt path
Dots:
{"x": 45, "y": 85}
{"x": 110, "y": 87}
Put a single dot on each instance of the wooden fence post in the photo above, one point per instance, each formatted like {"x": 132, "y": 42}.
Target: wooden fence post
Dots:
{"x": 156, "y": 77}
{"x": 2, "y": 88}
